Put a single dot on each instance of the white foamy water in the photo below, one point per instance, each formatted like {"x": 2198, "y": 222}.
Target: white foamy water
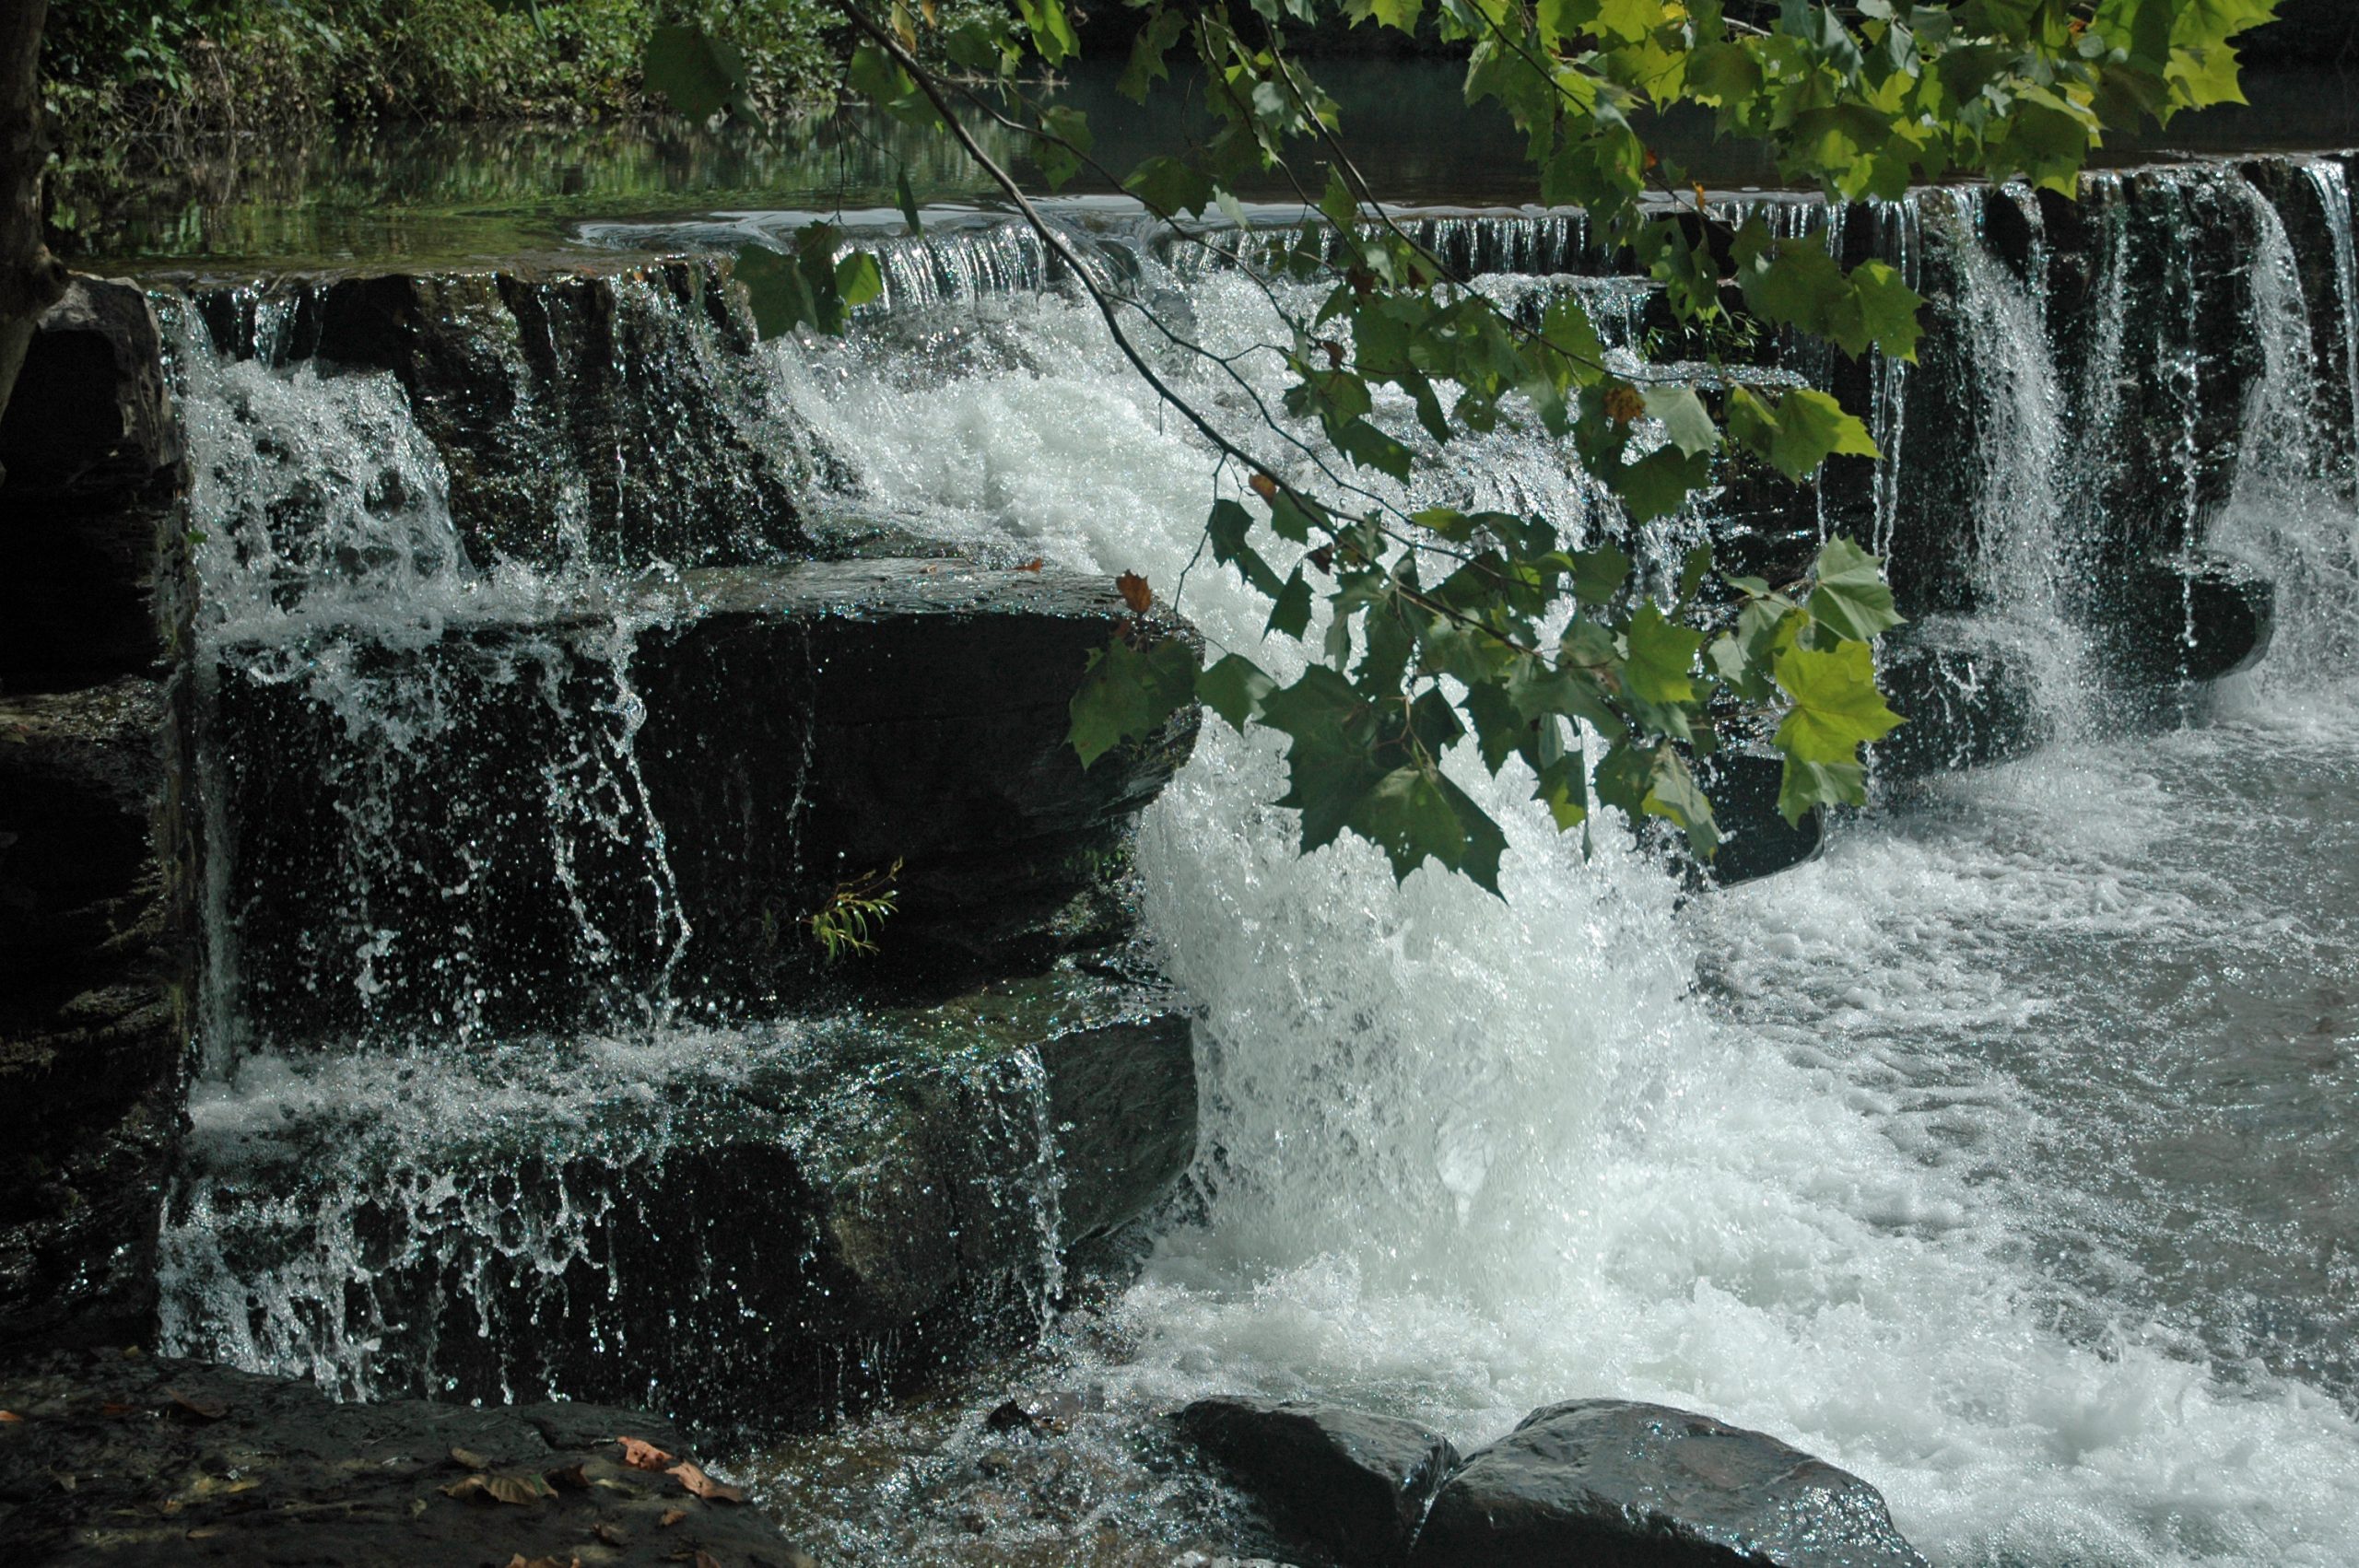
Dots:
{"x": 1906, "y": 1157}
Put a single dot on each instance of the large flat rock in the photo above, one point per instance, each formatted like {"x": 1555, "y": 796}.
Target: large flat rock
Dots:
{"x": 566, "y": 812}
{"x": 116, "y": 1461}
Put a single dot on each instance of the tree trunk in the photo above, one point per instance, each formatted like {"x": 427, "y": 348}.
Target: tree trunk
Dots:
{"x": 30, "y": 278}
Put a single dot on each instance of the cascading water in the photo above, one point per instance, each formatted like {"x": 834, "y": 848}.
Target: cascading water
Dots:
{"x": 1993, "y": 1156}
{"x": 1907, "y": 1178}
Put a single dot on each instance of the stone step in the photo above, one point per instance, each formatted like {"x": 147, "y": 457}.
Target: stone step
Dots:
{"x": 576, "y": 813}
{"x": 601, "y": 417}
{"x": 754, "y": 1226}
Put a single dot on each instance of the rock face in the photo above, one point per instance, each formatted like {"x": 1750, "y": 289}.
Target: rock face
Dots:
{"x": 749, "y": 1227}
{"x": 94, "y": 587}
{"x": 531, "y": 823}
{"x": 1354, "y": 1484}
{"x": 1647, "y": 1486}
{"x": 95, "y": 987}
{"x": 97, "y": 863}
{"x": 591, "y": 419}
{"x": 159, "y": 1463}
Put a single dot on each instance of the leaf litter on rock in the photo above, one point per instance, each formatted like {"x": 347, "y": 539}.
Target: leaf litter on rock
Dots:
{"x": 704, "y": 1486}
{"x": 515, "y": 1490}
{"x": 642, "y": 1456}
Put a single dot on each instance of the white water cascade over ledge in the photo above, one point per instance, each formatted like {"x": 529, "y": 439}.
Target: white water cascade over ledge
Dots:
{"x": 2004, "y": 1154}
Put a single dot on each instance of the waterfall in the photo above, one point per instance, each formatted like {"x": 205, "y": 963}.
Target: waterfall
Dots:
{"x": 1461, "y": 1156}
{"x": 1877, "y": 1155}
{"x": 2287, "y": 513}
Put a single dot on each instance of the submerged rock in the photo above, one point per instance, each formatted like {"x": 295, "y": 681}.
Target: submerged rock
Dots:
{"x": 1647, "y": 1486}
{"x": 1354, "y": 1484}
{"x": 122, "y": 1460}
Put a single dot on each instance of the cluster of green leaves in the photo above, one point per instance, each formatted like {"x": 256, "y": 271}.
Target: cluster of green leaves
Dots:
{"x": 1439, "y": 625}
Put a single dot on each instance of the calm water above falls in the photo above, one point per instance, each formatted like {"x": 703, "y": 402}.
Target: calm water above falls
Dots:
{"x": 2005, "y": 1156}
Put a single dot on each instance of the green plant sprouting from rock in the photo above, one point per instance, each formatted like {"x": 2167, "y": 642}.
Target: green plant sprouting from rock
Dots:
{"x": 848, "y": 922}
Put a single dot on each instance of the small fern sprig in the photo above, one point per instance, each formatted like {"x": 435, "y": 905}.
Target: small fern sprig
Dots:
{"x": 852, "y": 915}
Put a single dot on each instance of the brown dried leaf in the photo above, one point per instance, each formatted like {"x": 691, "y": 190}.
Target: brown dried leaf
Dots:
{"x": 199, "y": 1406}
{"x": 671, "y": 1517}
{"x": 517, "y": 1489}
{"x": 117, "y": 1407}
{"x": 611, "y": 1535}
{"x": 1135, "y": 592}
{"x": 468, "y": 1459}
{"x": 1034, "y": 564}
{"x": 465, "y": 1487}
{"x": 520, "y": 1561}
{"x": 707, "y": 1559}
{"x": 10, "y": 1415}
{"x": 642, "y": 1456}
{"x": 1265, "y": 487}
{"x": 703, "y": 1485}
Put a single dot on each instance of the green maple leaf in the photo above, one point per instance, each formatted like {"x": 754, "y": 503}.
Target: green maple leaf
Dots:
{"x": 1798, "y": 431}
{"x": 1837, "y": 705}
{"x": 1235, "y": 687}
{"x": 1852, "y": 599}
{"x": 1414, "y": 814}
{"x": 1126, "y": 694}
{"x": 1167, "y": 186}
{"x": 1806, "y": 785}
{"x": 1684, "y": 417}
{"x": 699, "y": 74}
{"x": 1662, "y": 657}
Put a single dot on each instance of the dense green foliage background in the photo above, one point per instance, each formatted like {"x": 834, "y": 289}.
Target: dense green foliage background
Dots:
{"x": 167, "y": 67}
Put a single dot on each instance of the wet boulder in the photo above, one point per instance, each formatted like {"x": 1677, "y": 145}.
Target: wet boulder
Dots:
{"x": 1354, "y": 1484}
{"x": 1968, "y": 699}
{"x": 1757, "y": 840}
{"x": 1648, "y": 1486}
{"x": 2189, "y": 619}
